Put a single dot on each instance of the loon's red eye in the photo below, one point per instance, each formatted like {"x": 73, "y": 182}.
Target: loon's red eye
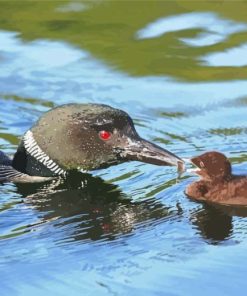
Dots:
{"x": 104, "y": 135}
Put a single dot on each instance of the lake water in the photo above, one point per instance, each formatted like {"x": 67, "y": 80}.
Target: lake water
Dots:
{"x": 180, "y": 70}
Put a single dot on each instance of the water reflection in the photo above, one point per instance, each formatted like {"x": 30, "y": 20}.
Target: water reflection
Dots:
{"x": 233, "y": 57}
{"x": 72, "y": 7}
{"x": 85, "y": 208}
{"x": 212, "y": 224}
{"x": 216, "y": 29}
{"x": 90, "y": 209}
{"x": 215, "y": 222}
{"x": 107, "y": 30}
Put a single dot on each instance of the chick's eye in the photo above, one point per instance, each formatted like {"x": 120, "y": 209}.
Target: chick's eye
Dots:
{"x": 202, "y": 164}
{"x": 105, "y": 135}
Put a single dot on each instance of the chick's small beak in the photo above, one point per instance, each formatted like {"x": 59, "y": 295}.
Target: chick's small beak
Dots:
{"x": 196, "y": 167}
{"x": 148, "y": 152}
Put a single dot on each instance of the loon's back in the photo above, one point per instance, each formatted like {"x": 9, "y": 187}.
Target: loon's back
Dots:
{"x": 10, "y": 174}
{"x": 4, "y": 159}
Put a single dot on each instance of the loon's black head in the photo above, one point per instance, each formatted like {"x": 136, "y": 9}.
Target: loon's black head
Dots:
{"x": 85, "y": 137}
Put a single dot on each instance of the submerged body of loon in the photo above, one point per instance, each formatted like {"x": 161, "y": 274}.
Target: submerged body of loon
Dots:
{"x": 80, "y": 137}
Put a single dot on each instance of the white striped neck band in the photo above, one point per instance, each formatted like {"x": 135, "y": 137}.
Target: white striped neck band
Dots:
{"x": 35, "y": 151}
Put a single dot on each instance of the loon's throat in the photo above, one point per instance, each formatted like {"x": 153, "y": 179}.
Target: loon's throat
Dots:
{"x": 35, "y": 151}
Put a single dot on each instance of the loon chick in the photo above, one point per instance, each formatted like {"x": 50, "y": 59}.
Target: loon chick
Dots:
{"x": 80, "y": 137}
{"x": 217, "y": 184}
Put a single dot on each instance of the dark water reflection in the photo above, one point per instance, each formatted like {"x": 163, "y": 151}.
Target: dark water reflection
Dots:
{"x": 213, "y": 224}
{"x": 92, "y": 208}
{"x": 179, "y": 69}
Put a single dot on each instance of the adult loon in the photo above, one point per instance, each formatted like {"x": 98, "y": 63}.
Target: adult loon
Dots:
{"x": 79, "y": 137}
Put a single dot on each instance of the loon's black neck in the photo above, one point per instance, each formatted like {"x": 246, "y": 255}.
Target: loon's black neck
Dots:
{"x": 27, "y": 164}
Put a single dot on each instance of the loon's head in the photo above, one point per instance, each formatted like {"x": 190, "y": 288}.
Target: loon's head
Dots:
{"x": 85, "y": 137}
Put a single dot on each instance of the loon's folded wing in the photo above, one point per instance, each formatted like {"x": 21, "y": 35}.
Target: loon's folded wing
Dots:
{"x": 9, "y": 174}
{"x": 4, "y": 159}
